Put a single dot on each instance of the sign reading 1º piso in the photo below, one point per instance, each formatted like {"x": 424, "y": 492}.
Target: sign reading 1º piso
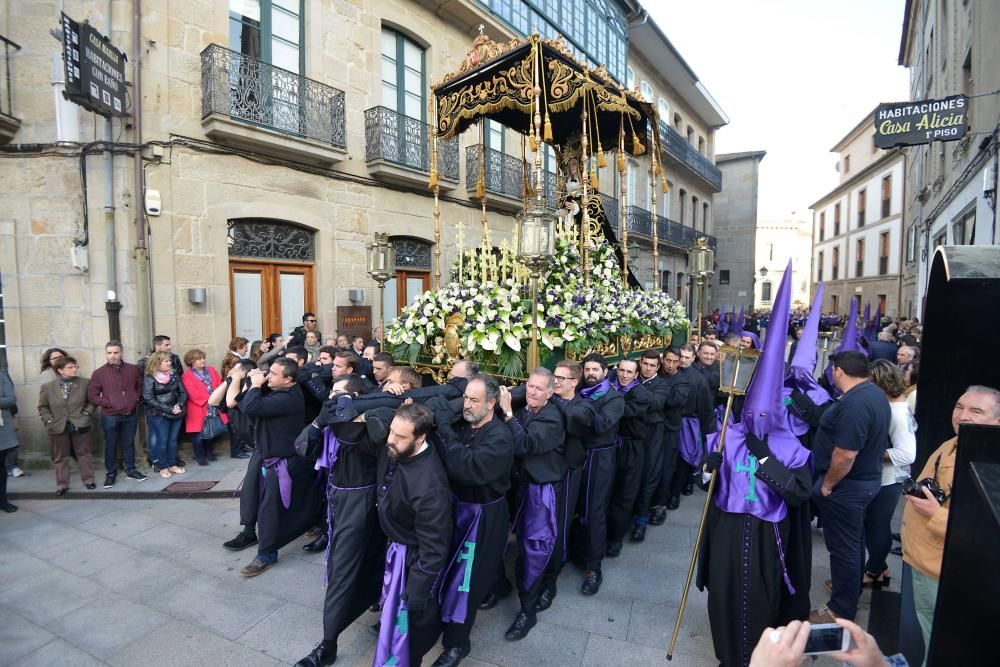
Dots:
{"x": 913, "y": 123}
{"x": 95, "y": 70}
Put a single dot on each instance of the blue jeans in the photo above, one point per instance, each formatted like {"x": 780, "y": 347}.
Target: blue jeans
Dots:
{"x": 163, "y": 434}
{"x": 119, "y": 430}
{"x": 878, "y": 526}
{"x": 843, "y": 514}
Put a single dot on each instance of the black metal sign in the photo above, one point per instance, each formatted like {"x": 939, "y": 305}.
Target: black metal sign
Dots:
{"x": 914, "y": 123}
{"x": 95, "y": 70}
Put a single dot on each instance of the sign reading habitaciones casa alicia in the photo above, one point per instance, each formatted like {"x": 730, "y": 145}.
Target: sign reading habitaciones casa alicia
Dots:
{"x": 914, "y": 123}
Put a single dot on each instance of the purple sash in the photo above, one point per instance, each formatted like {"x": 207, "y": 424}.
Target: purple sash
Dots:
{"x": 739, "y": 490}
{"x": 393, "y": 647}
{"x": 454, "y": 593}
{"x": 331, "y": 448}
{"x": 280, "y": 466}
{"x": 536, "y": 530}
{"x": 691, "y": 448}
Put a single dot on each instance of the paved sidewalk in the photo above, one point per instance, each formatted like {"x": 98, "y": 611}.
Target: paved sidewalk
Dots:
{"x": 147, "y": 582}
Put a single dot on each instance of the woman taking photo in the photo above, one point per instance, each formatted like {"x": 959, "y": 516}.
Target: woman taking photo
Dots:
{"x": 238, "y": 349}
{"x": 66, "y": 412}
{"x": 199, "y": 381}
{"x": 164, "y": 398}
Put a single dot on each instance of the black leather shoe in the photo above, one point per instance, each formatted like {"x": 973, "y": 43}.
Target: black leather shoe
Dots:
{"x": 614, "y": 549}
{"x": 545, "y": 599}
{"x": 897, "y": 537}
{"x": 319, "y": 544}
{"x": 241, "y": 541}
{"x": 91, "y": 486}
{"x": 592, "y": 580}
{"x": 499, "y": 592}
{"x": 321, "y": 656}
{"x": 451, "y": 657}
{"x": 896, "y": 551}
{"x": 61, "y": 492}
{"x": 239, "y": 455}
{"x": 491, "y": 600}
{"x": 9, "y": 508}
{"x": 674, "y": 502}
{"x": 688, "y": 489}
{"x": 638, "y": 533}
{"x": 658, "y": 516}
{"x": 180, "y": 462}
{"x": 520, "y": 628}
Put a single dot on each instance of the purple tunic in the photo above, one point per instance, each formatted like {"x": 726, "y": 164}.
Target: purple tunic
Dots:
{"x": 393, "y": 646}
{"x": 536, "y": 527}
{"x": 692, "y": 448}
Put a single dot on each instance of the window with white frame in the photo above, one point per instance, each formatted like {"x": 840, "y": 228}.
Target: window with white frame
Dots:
{"x": 647, "y": 91}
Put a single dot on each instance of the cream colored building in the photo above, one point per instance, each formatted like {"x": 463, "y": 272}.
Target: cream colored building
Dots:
{"x": 280, "y": 135}
{"x": 775, "y": 243}
{"x": 858, "y": 226}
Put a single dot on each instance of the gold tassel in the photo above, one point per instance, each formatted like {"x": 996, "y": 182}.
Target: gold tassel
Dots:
{"x": 637, "y": 147}
{"x": 656, "y": 170}
{"x": 532, "y": 141}
{"x": 433, "y": 182}
{"x": 594, "y": 184}
{"x": 480, "y": 188}
{"x": 548, "y": 129}
{"x": 663, "y": 182}
{"x": 601, "y": 162}
{"x": 621, "y": 162}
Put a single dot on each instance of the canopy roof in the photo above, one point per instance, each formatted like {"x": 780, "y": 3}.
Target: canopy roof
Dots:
{"x": 497, "y": 81}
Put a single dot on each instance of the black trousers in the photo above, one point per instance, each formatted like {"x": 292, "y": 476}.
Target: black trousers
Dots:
{"x": 277, "y": 525}
{"x": 628, "y": 481}
{"x": 682, "y": 475}
{"x": 595, "y": 496}
{"x": 671, "y": 453}
{"x": 491, "y": 540}
{"x": 250, "y": 494}
{"x": 652, "y": 468}
{"x": 3, "y": 475}
{"x": 354, "y": 558}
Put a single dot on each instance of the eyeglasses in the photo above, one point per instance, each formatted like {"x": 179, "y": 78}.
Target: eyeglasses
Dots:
{"x": 311, "y": 321}
{"x": 562, "y": 378}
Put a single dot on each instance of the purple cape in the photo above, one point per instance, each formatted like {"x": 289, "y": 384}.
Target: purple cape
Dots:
{"x": 536, "y": 527}
{"x": 454, "y": 593}
{"x": 691, "y": 446}
{"x": 393, "y": 646}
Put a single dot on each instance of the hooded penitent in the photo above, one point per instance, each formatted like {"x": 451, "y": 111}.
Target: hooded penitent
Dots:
{"x": 803, "y": 365}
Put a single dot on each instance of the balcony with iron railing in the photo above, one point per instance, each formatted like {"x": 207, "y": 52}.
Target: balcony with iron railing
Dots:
{"x": 503, "y": 176}
{"x": 256, "y": 105}
{"x": 685, "y": 155}
{"x": 397, "y": 149}
{"x": 670, "y": 232}
{"x": 9, "y": 123}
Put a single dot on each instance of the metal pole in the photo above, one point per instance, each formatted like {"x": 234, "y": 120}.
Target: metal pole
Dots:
{"x": 143, "y": 286}
{"x": 381, "y": 310}
{"x": 533, "y": 358}
{"x": 112, "y": 305}
{"x": 701, "y": 530}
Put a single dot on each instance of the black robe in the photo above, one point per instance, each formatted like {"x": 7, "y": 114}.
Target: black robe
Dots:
{"x": 415, "y": 509}
{"x": 595, "y": 423}
{"x": 278, "y": 418}
{"x": 632, "y": 431}
{"x": 478, "y": 463}
{"x": 742, "y": 569}
{"x": 356, "y": 550}
{"x": 678, "y": 391}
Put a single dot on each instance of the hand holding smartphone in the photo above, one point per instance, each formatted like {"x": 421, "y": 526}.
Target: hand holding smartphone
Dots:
{"x": 826, "y": 638}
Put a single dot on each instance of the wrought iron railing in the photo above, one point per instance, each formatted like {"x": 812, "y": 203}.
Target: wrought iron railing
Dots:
{"x": 638, "y": 221}
{"x": 612, "y": 208}
{"x": 678, "y": 146}
{"x": 549, "y": 183}
{"x": 6, "y": 99}
{"x": 502, "y": 175}
{"x": 399, "y": 139}
{"x": 247, "y": 89}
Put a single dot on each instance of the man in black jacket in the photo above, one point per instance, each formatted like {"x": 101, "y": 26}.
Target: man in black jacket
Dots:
{"x": 289, "y": 498}
{"x": 652, "y": 464}
{"x": 298, "y": 335}
{"x": 538, "y": 434}
{"x": 678, "y": 389}
{"x": 594, "y": 420}
{"x": 477, "y": 457}
{"x": 632, "y": 431}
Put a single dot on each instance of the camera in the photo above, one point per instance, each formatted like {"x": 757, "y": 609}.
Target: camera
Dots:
{"x": 912, "y": 488}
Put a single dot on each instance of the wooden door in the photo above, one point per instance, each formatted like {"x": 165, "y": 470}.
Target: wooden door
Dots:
{"x": 269, "y": 298}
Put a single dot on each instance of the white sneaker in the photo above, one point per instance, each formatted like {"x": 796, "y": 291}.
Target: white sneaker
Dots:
{"x": 16, "y": 472}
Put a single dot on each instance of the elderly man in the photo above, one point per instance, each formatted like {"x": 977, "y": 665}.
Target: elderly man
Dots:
{"x": 883, "y": 348}
{"x": 925, "y": 520}
{"x": 905, "y": 356}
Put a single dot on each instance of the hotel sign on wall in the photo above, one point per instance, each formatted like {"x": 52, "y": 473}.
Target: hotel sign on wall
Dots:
{"x": 95, "y": 70}
{"x": 921, "y": 122}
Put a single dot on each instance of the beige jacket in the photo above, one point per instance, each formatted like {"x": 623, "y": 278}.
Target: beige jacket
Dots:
{"x": 923, "y": 538}
{"x": 55, "y": 411}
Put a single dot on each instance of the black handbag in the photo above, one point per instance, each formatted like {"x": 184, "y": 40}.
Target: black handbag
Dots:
{"x": 212, "y": 427}
{"x": 309, "y": 447}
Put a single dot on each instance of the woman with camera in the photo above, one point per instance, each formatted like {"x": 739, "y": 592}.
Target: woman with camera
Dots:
{"x": 900, "y": 453}
{"x": 67, "y": 413}
{"x": 164, "y": 397}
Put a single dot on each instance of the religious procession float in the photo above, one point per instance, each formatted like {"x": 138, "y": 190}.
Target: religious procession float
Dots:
{"x": 561, "y": 287}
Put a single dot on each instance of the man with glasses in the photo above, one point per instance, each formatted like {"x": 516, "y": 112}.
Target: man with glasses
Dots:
{"x": 298, "y": 336}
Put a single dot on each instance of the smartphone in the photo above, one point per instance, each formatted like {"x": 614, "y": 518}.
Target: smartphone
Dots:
{"x": 827, "y": 638}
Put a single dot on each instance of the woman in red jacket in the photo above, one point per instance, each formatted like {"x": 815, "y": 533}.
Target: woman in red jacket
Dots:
{"x": 199, "y": 381}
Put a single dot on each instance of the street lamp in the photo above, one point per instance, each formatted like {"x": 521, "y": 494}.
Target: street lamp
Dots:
{"x": 381, "y": 268}
{"x": 633, "y": 252}
{"x": 536, "y": 232}
{"x": 701, "y": 267}
{"x": 763, "y": 272}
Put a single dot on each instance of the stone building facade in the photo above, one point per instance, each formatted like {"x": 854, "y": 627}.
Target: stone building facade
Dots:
{"x": 776, "y": 242}
{"x": 858, "y": 226}
{"x": 280, "y": 135}
{"x": 950, "y": 48}
{"x": 735, "y": 222}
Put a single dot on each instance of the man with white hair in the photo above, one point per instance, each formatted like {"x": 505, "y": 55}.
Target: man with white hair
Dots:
{"x": 883, "y": 348}
{"x": 925, "y": 520}
{"x": 905, "y": 356}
